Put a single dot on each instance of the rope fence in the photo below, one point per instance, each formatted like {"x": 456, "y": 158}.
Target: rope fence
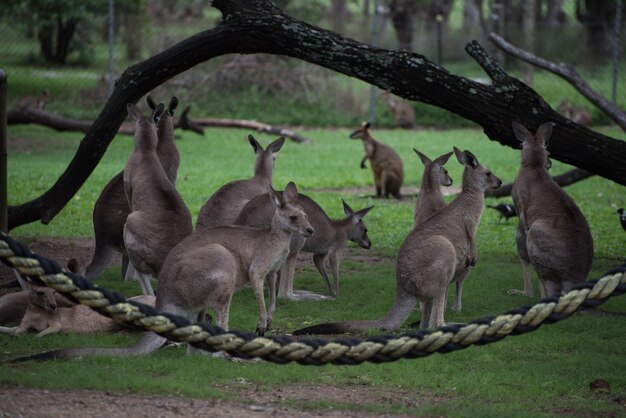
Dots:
{"x": 284, "y": 349}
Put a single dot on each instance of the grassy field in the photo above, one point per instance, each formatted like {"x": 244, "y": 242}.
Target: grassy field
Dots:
{"x": 546, "y": 373}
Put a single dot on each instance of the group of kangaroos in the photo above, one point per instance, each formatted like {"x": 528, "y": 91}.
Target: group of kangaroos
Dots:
{"x": 247, "y": 233}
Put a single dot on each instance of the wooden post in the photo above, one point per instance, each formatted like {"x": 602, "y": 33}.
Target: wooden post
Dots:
{"x": 3, "y": 152}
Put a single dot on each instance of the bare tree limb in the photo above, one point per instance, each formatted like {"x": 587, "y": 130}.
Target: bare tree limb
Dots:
{"x": 257, "y": 26}
{"x": 567, "y": 73}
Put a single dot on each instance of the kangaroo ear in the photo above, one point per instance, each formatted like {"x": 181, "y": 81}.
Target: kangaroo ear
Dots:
{"x": 255, "y": 144}
{"x": 443, "y": 159}
{"x": 544, "y": 132}
{"x": 275, "y": 146}
{"x": 290, "y": 195}
{"x": 347, "y": 210}
{"x": 520, "y": 131}
{"x": 361, "y": 213}
{"x": 366, "y": 125}
{"x": 133, "y": 112}
{"x": 423, "y": 157}
{"x": 274, "y": 197}
{"x": 150, "y": 101}
{"x": 466, "y": 158}
{"x": 172, "y": 105}
{"x": 158, "y": 112}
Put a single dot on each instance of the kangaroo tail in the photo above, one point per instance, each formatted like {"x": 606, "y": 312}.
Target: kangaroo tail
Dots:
{"x": 398, "y": 314}
{"x": 149, "y": 343}
{"x": 102, "y": 257}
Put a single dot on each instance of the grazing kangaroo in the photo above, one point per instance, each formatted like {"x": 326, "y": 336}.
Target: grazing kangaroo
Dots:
{"x": 403, "y": 112}
{"x": 225, "y": 204}
{"x": 46, "y": 317}
{"x": 112, "y": 208}
{"x": 552, "y": 234}
{"x": 433, "y": 255}
{"x": 34, "y": 102}
{"x": 328, "y": 242}
{"x": 159, "y": 218}
{"x": 386, "y": 163}
{"x": 577, "y": 114}
{"x": 206, "y": 268}
{"x": 13, "y": 305}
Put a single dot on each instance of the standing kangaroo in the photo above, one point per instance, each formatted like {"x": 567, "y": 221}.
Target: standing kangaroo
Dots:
{"x": 159, "y": 218}
{"x": 112, "y": 209}
{"x": 386, "y": 163}
{"x": 329, "y": 240}
{"x": 225, "y": 204}
{"x": 430, "y": 198}
{"x": 45, "y": 316}
{"x": 433, "y": 255}
{"x": 552, "y": 234}
{"x": 206, "y": 268}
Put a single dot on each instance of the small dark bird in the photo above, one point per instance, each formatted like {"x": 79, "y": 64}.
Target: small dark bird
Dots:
{"x": 506, "y": 210}
{"x": 622, "y": 217}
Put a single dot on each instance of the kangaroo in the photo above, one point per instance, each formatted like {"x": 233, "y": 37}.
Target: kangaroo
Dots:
{"x": 111, "y": 209}
{"x": 430, "y": 198}
{"x": 46, "y": 317}
{"x": 225, "y": 204}
{"x": 159, "y": 218}
{"x": 386, "y": 163}
{"x": 34, "y": 102}
{"x": 328, "y": 242}
{"x": 552, "y": 234}
{"x": 433, "y": 255}
{"x": 403, "y": 112}
{"x": 206, "y": 268}
{"x": 577, "y": 114}
{"x": 13, "y": 305}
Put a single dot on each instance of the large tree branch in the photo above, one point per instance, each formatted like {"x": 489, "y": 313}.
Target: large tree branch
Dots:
{"x": 567, "y": 73}
{"x": 257, "y": 26}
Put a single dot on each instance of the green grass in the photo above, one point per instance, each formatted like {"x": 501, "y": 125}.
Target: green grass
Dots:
{"x": 545, "y": 373}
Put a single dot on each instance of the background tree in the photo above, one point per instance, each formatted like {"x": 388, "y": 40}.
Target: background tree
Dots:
{"x": 598, "y": 18}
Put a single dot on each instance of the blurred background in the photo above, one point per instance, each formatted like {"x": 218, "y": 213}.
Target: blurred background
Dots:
{"x": 74, "y": 49}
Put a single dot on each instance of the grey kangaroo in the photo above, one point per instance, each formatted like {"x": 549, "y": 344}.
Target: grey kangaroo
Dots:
{"x": 206, "y": 268}
{"x": 159, "y": 218}
{"x": 386, "y": 163}
{"x": 328, "y": 242}
{"x": 225, "y": 204}
{"x": 552, "y": 234}
{"x": 112, "y": 208}
{"x": 433, "y": 255}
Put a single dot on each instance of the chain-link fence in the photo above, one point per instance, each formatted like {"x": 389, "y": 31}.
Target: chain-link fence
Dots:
{"x": 283, "y": 90}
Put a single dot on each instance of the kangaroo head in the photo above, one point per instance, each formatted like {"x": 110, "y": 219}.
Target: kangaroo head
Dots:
{"x": 43, "y": 297}
{"x": 172, "y": 105}
{"x": 289, "y": 215}
{"x": 264, "y": 162}
{"x": 437, "y": 167}
{"x": 534, "y": 147}
{"x": 358, "y": 232}
{"x": 476, "y": 175}
{"x": 145, "y": 131}
{"x": 362, "y": 133}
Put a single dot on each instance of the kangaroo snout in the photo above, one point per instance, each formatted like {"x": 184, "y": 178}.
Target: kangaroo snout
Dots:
{"x": 308, "y": 232}
{"x": 365, "y": 244}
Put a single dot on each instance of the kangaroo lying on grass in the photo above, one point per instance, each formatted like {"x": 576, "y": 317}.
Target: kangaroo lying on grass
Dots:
{"x": 112, "y": 208}
{"x": 552, "y": 234}
{"x": 386, "y": 163}
{"x": 13, "y": 305}
{"x": 159, "y": 218}
{"x": 328, "y": 242}
{"x": 206, "y": 268}
{"x": 45, "y": 316}
{"x": 225, "y": 204}
{"x": 433, "y": 255}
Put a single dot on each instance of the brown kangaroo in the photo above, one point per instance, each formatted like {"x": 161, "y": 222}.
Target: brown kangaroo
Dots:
{"x": 45, "y": 316}
{"x": 206, "y": 268}
{"x": 34, "y": 102}
{"x": 159, "y": 218}
{"x": 112, "y": 208}
{"x": 328, "y": 242}
{"x": 13, "y": 305}
{"x": 433, "y": 255}
{"x": 225, "y": 204}
{"x": 386, "y": 163}
{"x": 430, "y": 198}
{"x": 552, "y": 234}
{"x": 403, "y": 112}
{"x": 577, "y": 114}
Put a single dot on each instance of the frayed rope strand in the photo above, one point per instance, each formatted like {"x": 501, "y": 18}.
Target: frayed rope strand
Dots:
{"x": 285, "y": 349}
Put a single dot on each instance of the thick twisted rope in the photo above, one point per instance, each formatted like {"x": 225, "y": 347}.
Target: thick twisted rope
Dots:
{"x": 284, "y": 349}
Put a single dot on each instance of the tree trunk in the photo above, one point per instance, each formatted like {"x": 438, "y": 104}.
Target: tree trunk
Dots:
{"x": 65, "y": 33}
{"x": 257, "y": 26}
{"x": 45, "y": 35}
{"x": 402, "y": 13}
